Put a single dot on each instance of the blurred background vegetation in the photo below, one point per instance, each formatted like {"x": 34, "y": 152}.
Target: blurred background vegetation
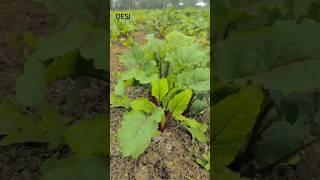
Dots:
{"x": 160, "y": 4}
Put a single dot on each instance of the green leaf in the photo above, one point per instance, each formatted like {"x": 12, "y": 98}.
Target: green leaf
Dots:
{"x": 134, "y": 58}
{"x": 52, "y": 124}
{"x": 276, "y": 57}
{"x": 61, "y": 42}
{"x": 180, "y": 102}
{"x": 157, "y": 115}
{"x": 196, "y": 129}
{"x": 21, "y": 127}
{"x": 82, "y": 167}
{"x": 146, "y": 76}
{"x": 136, "y": 132}
{"x": 233, "y": 118}
{"x": 280, "y": 140}
{"x": 176, "y": 40}
{"x": 187, "y": 57}
{"x": 222, "y": 174}
{"x": 119, "y": 89}
{"x": 62, "y": 66}
{"x": 170, "y": 95}
{"x": 205, "y": 162}
{"x": 144, "y": 71}
{"x": 198, "y": 105}
{"x": 116, "y": 101}
{"x": 29, "y": 85}
{"x": 197, "y": 80}
{"x": 79, "y": 139}
{"x": 95, "y": 47}
{"x": 143, "y": 76}
{"x": 159, "y": 89}
{"x": 199, "y": 133}
{"x": 74, "y": 9}
{"x": 154, "y": 46}
{"x": 89, "y": 39}
{"x": 142, "y": 104}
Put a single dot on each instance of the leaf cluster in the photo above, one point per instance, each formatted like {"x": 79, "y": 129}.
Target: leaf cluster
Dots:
{"x": 267, "y": 83}
{"x": 189, "y": 21}
{"x": 175, "y": 74}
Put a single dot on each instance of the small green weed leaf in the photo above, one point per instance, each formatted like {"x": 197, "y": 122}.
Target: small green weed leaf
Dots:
{"x": 159, "y": 89}
{"x": 233, "y": 118}
{"x": 90, "y": 143}
{"x": 123, "y": 101}
{"x": 199, "y": 133}
{"x": 142, "y": 104}
{"x": 136, "y": 132}
{"x": 180, "y": 102}
{"x": 81, "y": 167}
{"x": 197, "y": 130}
{"x": 204, "y": 161}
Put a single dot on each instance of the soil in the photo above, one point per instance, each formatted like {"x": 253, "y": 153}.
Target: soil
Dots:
{"x": 169, "y": 156}
{"x": 16, "y": 17}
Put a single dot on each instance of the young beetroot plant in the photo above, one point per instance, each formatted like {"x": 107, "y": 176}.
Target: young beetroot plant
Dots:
{"x": 174, "y": 72}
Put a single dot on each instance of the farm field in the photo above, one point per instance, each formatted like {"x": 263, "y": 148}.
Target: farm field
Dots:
{"x": 176, "y": 149}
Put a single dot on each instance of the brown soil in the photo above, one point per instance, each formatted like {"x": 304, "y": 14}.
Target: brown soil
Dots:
{"x": 16, "y": 17}
{"x": 115, "y": 65}
{"x": 168, "y": 156}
